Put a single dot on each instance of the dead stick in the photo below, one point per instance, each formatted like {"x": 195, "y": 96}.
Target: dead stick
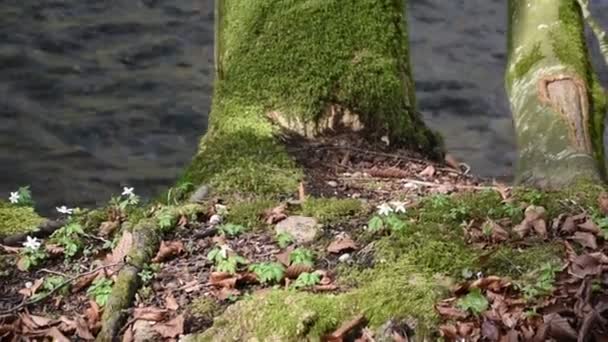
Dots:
{"x": 45, "y": 296}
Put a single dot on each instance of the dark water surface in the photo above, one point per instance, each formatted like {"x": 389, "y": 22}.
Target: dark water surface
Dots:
{"x": 95, "y": 95}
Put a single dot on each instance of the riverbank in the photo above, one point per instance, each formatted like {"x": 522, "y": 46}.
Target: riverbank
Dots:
{"x": 374, "y": 244}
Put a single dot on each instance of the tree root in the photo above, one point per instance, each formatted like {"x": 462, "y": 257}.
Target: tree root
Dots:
{"x": 145, "y": 244}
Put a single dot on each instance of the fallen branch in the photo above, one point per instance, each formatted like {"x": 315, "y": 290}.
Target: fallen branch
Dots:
{"x": 43, "y": 230}
{"x": 60, "y": 286}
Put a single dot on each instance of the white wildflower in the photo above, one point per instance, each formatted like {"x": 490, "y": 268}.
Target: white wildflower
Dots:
{"x": 384, "y": 209}
{"x": 385, "y": 140}
{"x": 399, "y": 206}
{"x": 65, "y": 210}
{"x": 32, "y": 243}
{"x": 126, "y": 191}
{"x": 14, "y": 198}
{"x": 215, "y": 219}
{"x": 28, "y": 284}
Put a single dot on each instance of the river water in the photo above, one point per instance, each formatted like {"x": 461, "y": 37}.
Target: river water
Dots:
{"x": 96, "y": 95}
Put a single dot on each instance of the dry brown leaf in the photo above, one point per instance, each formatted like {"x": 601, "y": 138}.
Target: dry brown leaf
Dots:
{"x": 429, "y": 171}
{"x": 569, "y": 226}
{"x": 40, "y": 321}
{"x": 341, "y": 244}
{"x": 183, "y": 221}
{"x": 276, "y": 214}
{"x": 283, "y": 257}
{"x": 128, "y": 335}
{"x": 540, "y": 227}
{"x": 449, "y": 331}
{"x": 171, "y": 329}
{"x": 450, "y": 312}
{"x": 590, "y": 227}
{"x": 82, "y": 329}
{"x": 11, "y": 250}
{"x": 499, "y": 234}
{"x": 489, "y": 330}
{"x": 222, "y": 279}
{"x": 119, "y": 252}
{"x": 191, "y": 286}
{"x": 503, "y": 190}
{"x": 171, "y": 302}
{"x": 56, "y": 335}
{"x": 92, "y": 313}
{"x": 54, "y": 249}
{"x": 108, "y": 227}
{"x": 85, "y": 281}
{"x": 168, "y": 249}
{"x": 339, "y": 334}
{"x": 452, "y": 162}
{"x": 28, "y": 292}
{"x": 225, "y": 293}
{"x": 150, "y": 314}
{"x": 602, "y": 201}
{"x": 587, "y": 240}
{"x": 293, "y": 271}
{"x": 522, "y": 229}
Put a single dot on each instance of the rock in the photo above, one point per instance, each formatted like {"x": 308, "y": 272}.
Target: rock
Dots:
{"x": 142, "y": 332}
{"x": 333, "y": 184}
{"x": 200, "y": 194}
{"x": 344, "y": 257}
{"x": 302, "y": 228}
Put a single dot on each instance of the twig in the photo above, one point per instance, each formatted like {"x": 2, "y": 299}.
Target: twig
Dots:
{"x": 46, "y": 295}
{"x": 46, "y": 270}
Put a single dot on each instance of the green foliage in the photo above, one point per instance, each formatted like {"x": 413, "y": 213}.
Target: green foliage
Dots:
{"x": 217, "y": 254}
{"x": 17, "y": 219}
{"x": 539, "y": 283}
{"x": 148, "y": 273}
{"x": 178, "y": 192}
{"x": 307, "y": 280}
{"x": 122, "y": 203}
{"x": 100, "y": 290}
{"x": 230, "y": 264}
{"x": 51, "y": 283}
{"x": 25, "y": 197}
{"x": 392, "y": 222}
{"x": 474, "y": 301}
{"x": 268, "y": 272}
{"x": 166, "y": 219}
{"x": 331, "y": 209}
{"x": 231, "y": 229}
{"x": 32, "y": 257}
{"x": 375, "y": 224}
{"x": 70, "y": 238}
{"x": 302, "y": 256}
{"x": 284, "y": 239}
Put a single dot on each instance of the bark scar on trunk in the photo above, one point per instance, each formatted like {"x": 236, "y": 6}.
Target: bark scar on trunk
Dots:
{"x": 568, "y": 96}
{"x": 335, "y": 118}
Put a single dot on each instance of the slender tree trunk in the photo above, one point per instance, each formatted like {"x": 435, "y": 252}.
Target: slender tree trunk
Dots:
{"x": 310, "y": 67}
{"x": 557, "y": 102}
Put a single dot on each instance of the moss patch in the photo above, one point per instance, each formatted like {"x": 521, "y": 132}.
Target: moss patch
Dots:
{"x": 16, "y": 219}
{"x": 516, "y": 262}
{"x": 331, "y": 209}
{"x": 527, "y": 61}
{"x": 204, "y": 308}
{"x": 249, "y": 214}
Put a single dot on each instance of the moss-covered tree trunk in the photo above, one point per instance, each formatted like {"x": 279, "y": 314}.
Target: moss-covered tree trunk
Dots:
{"x": 307, "y": 66}
{"x": 556, "y": 100}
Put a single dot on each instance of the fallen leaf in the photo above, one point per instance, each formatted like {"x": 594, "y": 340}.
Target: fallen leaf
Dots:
{"x": 27, "y": 292}
{"x": 150, "y": 314}
{"x": 128, "y": 335}
{"x": 503, "y": 190}
{"x": 56, "y": 335}
{"x": 222, "y": 279}
{"x": 182, "y": 222}
{"x": 119, "y": 252}
{"x": 489, "y": 330}
{"x": 168, "y": 249}
{"x": 276, "y": 214}
{"x": 82, "y": 329}
{"x": 540, "y": 227}
{"x": 449, "y": 331}
{"x": 450, "y": 312}
{"x": 341, "y": 244}
{"x": 171, "y": 302}
{"x": 85, "y": 281}
{"x": 602, "y": 201}
{"x": 569, "y": 226}
{"x": 429, "y": 171}
{"x": 108, "y": 227}
{"x": 560, "y": 328}
{"x": 171, "y": 329}
{"x": 587, "y": 240}
{"x": 283, "y": 257}
{"x": 293, "y": 271}
{"x": 41, "y": 321}
{"x": 589, "y": 226}
{"x": 54, "y": 249}
{"x": 92, "y": 313}
{"x": 225, "y": 293}
{"x": 12, "y": 250}
{"x": 339, "y": 334}
{"x": 522, "y": 229}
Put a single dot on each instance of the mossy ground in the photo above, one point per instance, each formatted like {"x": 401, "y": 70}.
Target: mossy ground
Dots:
{"x": 17, "y": 219}
{"x": 411, "y": 271}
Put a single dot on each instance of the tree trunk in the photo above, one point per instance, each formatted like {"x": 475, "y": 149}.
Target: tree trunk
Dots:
{"x": 557, "y": 102}
{"x": 309, "y": 67}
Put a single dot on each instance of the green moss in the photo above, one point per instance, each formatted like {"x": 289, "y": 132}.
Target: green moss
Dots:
{"x": 568, "y": 39}
{"x": 249, "y": 213}
{"x": 17, "y": 219}
{"x": 331, "y": 209}
{"x": 525, "y": 63}
{"x": 93, "y": 219}
{"x": 204, "y": 308}
{"x": 516, "y": 262}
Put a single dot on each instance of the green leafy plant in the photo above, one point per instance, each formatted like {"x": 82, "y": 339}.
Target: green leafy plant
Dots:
{"x": 307, "y": 280}
{"x": 166, "y": 219}
{"x": 176, "y": 193}
{"x": 474, "y": 301}
{"x": 50, "y": 284}
{"x": 148, "y": 273}
{"x": 231, "y": 229}
{"x": 230, "y": 264}
{"x": 100, "y": 290}
{"x": 375, "y": 224}
{"x": 24, "y": 197}
{"x": 302, "y": 256}
{"x": 539, "y": 283}
{"x": 391, "y": 222}
{"x": 268, "y": 272}
{"x": 284, "y": 239}
{"x": 31, "y": 257}
{"x": 217, "y": 254}
{"x": 70, "y": 238}
{"x": 123, "y": 202}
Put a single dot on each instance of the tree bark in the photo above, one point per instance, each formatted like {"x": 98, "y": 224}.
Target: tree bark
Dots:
{"x": 308, "y": 67}
{"x": 557, "y": 102}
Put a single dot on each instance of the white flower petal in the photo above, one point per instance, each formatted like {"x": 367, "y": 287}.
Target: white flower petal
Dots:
{"x": 14, "y": 197}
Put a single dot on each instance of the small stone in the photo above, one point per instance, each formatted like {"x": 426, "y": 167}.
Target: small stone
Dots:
{"x": 302, "y": 228}
{"x": 200, "y": 194}
{"x": 344, "y": 257}
{"x": 333, "y": 184}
